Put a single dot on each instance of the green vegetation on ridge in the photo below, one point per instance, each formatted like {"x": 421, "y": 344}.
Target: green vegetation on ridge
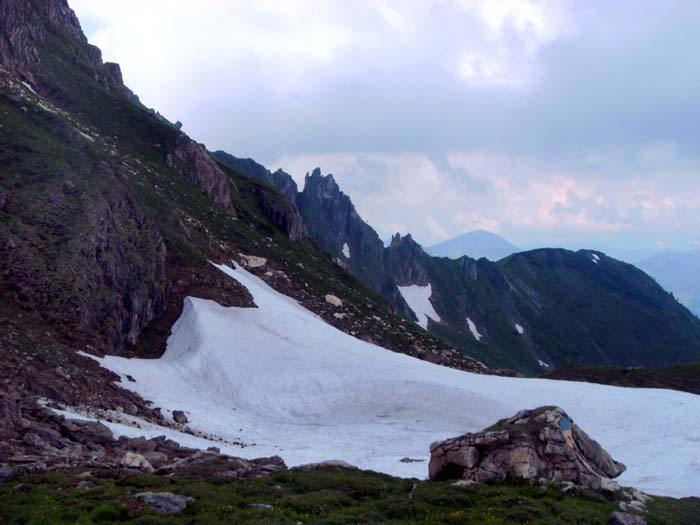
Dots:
{"x": 328, "y": 496}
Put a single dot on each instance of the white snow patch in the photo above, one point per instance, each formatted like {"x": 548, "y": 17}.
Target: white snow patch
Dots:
{"x": 86, "y": 136}
{"x": 595, "y": 258}
{"x": 519, "y": 329}
{"x": 418, "y": 300}
{"x": 473, "y": 329}
{"x": 542, "y": 364}
{"x": 28, "y": 86}
{"x": 280, "y": 379}
{"x": 346, "y": 250}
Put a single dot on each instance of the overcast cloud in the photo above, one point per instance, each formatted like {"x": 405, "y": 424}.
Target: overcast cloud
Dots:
{"x": 557, "y": 122}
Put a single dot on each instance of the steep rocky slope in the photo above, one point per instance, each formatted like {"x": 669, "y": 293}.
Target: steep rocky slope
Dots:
{"x": 109, "y": 216}
{"x": 530, "y": 311}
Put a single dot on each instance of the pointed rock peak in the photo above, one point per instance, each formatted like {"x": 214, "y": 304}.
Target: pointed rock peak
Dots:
{"x": 317, "y": 182}
{"x": 406, "y": 240}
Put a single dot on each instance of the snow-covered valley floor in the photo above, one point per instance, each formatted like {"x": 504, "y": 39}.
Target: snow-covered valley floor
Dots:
{"x": 280, "y": 379}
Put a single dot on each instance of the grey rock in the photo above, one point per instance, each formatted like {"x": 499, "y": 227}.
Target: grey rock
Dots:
{"x": 542, "y": 444}
{"x": 165, "y": 502}
{"x": 180, "y": 417}
{"x": 261, "y": 506}
{"x": 6, "y": 472}
{"x": 134, "y": 460}
{"x": 624, "y": 518}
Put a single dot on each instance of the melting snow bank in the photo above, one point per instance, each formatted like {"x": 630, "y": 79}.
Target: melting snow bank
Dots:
{"x": 418, "y": 300}
{"x": 283, "y": 381}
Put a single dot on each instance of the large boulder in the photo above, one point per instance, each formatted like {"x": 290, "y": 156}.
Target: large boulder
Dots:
{"x": 543, "y": 443}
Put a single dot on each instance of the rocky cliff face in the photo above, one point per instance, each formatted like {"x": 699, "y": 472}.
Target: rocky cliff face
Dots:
{"x": 27, "y": 25}
{"x": 282, "y": 212}
{"x": 77, "y": 243}
{"x": 79, "y": 247}
{"x": 337, "y": 228}
{"x": 194, "y": 162}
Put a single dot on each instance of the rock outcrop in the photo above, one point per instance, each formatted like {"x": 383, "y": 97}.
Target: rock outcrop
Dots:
{"x": 335, "y": 225}
{"x": 194, "y": 162}
{"x": 537, "y": 444}
{"x": 35, "y": 439}
{"x": 24, "y": 30}
{"x": 282, "y": 212}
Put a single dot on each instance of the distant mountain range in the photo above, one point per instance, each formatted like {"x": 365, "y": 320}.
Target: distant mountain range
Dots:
{"x": 679, "y": 273}
{"x": 475, "y": 244}
{"x": 530, "y": 311}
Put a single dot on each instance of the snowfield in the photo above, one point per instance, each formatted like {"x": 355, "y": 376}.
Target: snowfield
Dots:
{"x": 280, "y": 379}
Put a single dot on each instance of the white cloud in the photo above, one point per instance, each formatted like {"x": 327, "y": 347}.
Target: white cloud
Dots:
{"x": 549, "y": 118}
{"x": 435, "y": 199}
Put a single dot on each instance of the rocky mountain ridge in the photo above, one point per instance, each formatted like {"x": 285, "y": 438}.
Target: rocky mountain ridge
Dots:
{"x": 531, "y": 311}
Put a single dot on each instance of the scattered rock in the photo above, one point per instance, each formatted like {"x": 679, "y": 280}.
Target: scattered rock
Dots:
{"x": 634, "y": 505}
{"x": 542, "y": 443}
{"x": 253, "y": 261}
{"x": 180, "y": 417}
{"x": 6, "y": 472}
{"x": 623, "y": 518}
{"x": 134, "y": 460}
{"x": 165, "y": 502}
{"x": 464, "y": 483}
{"x": 333, "y": 300}
{"x": 262, "y": 506}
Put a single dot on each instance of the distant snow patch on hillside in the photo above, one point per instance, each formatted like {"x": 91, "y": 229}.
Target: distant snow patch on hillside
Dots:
{"x": 542, "y": 364}
{"x": 418, "y": 300}
{"x": 595, "y": 258}
{"x": 281, "y": 380}
{"x": 474, "y": 330}
{"x": 346, "y": 250}
{"x": 519, "y": 329}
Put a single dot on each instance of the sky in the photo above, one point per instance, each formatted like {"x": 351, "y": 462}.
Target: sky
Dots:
{"x": 572, "y": 123}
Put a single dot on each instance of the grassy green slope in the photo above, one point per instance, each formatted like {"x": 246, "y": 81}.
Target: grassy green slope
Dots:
{"x": 572, "y": 310}
{"x": 610, "y": 313}
{"x": 329, "y": 496}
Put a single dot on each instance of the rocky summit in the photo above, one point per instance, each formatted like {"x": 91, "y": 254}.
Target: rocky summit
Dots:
{"x": 541, "y": 444}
